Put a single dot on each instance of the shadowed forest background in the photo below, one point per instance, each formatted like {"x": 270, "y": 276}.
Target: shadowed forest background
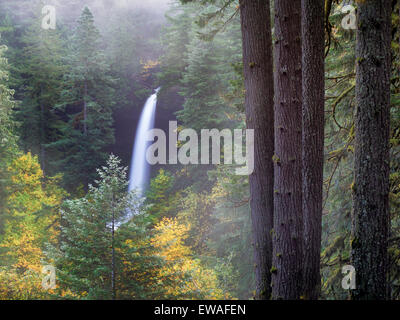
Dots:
{"x": 64, "y": 171}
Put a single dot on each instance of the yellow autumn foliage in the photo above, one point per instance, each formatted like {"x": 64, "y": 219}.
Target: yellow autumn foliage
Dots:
{"x": 189, "y": 278}
{"x": 26, "y": 228}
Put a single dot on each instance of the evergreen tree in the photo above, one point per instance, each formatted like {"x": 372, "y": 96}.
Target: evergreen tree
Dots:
{"x": 91, "y": 255}
{"x": 8, "y": 139}
{"x": 175, "y": 40}
{"x": 200, "y": 84}
{"x": 161, "y": 200}
{"x": 87, "y": 100}
{"x": 41, "y": 69}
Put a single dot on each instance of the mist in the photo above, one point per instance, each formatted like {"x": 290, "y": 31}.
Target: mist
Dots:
{"x": 103, "y": 10}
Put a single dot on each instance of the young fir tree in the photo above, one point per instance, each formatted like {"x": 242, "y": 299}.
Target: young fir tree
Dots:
{"x": 87, "y": 100}
{"x": 97, "y": 260}
{"x": 160, "y": 198}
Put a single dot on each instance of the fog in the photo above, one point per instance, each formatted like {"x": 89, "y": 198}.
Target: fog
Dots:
{"x": 69, "y": 11}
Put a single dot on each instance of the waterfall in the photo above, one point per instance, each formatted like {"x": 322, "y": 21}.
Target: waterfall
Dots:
{"x": 140, "y": 169}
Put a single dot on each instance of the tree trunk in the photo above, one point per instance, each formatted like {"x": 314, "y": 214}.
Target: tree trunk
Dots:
{"x": 85, "y": 110}
{"x": 258, "y": 74}
{"x": 113, "y": 290}
{"x": 371, "y": 172}
{"x": 288, "y": 222}
{"x": 313, "y": 140}
{"x": 42, "y": 138}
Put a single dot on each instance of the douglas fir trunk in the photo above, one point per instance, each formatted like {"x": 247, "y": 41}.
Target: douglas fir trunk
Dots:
{"x": 372, "y": 123}
{"x": 313, "y": 140}
{"x": 258, "y": 73}
{"x": 288, "y": 222}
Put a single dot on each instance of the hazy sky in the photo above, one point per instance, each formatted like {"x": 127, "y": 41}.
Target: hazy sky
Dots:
{"x": 69, "y": 10}
{"x": 158, "y": 5}
{"x": 103, "y": 7}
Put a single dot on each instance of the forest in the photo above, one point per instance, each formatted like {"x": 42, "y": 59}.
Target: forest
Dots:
{"x": 312, "y": 87}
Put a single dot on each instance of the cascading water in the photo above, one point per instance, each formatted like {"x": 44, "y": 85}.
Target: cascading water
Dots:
{"x": 140, "y": 169}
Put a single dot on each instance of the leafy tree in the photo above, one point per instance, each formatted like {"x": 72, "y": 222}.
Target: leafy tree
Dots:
{"x": 194, "y": 280}
{"x": 196, "y": 210}
{"x": 31, "y": 221}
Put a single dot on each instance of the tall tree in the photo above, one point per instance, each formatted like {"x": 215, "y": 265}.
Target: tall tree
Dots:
{"x": 88, "y": 246}
{"x": 313, "y": 140}
{"x": 288, "y": 220}
{"x": 258, "y": 75}
{"x": 371, "y": 164}
{"x": 175, "y": 39}
{"x": 41, "y": 71}
{"x": 8, "y": 140}
{"x": 87, "y": 100}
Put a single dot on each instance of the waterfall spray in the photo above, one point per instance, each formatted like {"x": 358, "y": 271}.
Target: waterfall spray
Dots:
{"x": 140, "y": 169}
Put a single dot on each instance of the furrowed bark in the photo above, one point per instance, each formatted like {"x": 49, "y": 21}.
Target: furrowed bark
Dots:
{"x": 371, "y": 164}
{"x": 313, "y": 141}
{"x": 258, "y": 74}
{"x": 287, "y": 261}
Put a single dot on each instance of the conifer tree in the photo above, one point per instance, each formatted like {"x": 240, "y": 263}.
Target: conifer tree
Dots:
{"x": 87, "y": 100}
{"x": 41, "y": 69}
{"x": 91, "y": 255}
{"x": 8, "y": 139}
{"x": 175, "y": 39}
